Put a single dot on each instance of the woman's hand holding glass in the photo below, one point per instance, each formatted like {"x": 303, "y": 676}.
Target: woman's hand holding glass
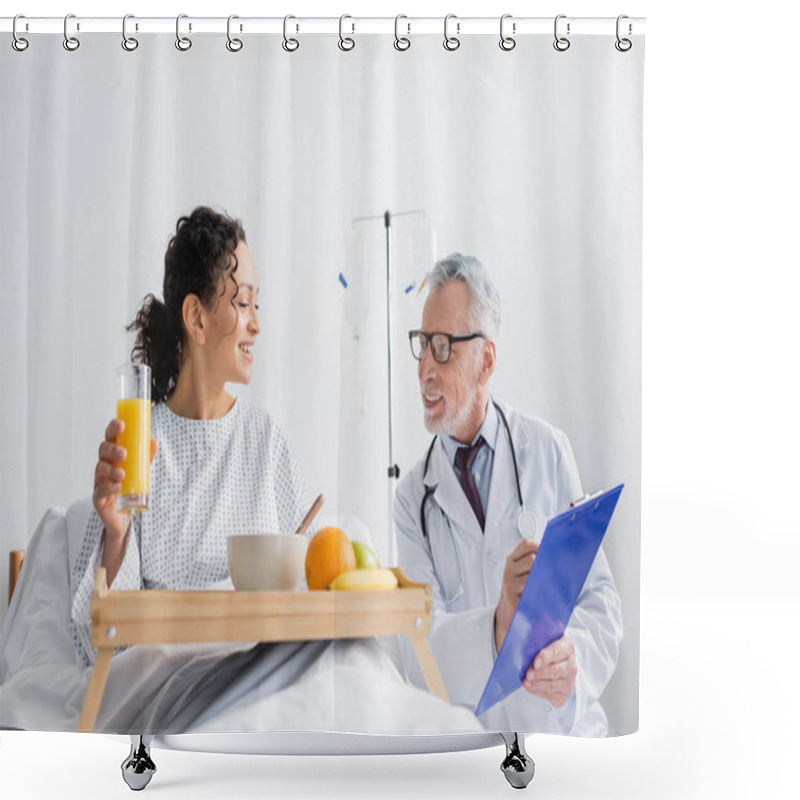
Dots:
{"x": 108, "y": 475}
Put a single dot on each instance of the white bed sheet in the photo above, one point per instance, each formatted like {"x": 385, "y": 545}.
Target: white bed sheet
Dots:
{"x": 352, "y": 688}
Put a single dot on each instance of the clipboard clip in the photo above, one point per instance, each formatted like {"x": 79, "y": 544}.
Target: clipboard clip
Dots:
{"x": 586, "y": 498}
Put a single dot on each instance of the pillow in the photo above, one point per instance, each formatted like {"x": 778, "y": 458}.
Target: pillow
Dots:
{"x": 77, "y": 519}
{"x": 40, "y": 677}
{"x": 36, "y": 629}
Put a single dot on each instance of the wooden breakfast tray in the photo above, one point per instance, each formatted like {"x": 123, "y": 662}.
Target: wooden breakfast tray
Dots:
{"x": 162, "y": 617}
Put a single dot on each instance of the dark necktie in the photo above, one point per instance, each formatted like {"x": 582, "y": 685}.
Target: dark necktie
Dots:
{"x": 465, "y": 458}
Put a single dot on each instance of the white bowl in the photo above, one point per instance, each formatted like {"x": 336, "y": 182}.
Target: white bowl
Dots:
{"x": 266, "y": 562}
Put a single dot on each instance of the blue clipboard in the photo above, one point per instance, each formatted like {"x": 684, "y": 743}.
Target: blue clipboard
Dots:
{"x": 565, "y": 556}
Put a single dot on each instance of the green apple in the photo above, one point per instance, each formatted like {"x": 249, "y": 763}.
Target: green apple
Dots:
{"x": 365, "y": 556}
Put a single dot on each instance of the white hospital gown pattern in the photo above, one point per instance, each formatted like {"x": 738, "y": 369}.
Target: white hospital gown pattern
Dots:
{"x": 209, "y": 479}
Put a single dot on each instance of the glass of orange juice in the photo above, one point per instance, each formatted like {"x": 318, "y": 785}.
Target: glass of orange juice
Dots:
{"x": 133, "y": 408}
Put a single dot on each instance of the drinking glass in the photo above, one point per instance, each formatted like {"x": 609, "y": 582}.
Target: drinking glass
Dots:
{"x": 133, "y": 408}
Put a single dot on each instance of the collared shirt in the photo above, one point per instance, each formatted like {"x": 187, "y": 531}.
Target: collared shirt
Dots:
{"x": 484, "y": 461}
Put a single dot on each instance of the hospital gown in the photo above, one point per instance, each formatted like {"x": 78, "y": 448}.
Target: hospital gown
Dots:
{"x": 210, "y": 478}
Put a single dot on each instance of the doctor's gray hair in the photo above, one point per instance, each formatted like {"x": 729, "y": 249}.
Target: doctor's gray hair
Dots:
{"x": 485, "y": 308}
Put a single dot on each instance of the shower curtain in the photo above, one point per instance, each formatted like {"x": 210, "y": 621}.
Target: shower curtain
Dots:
{"x": 352, "y": 172}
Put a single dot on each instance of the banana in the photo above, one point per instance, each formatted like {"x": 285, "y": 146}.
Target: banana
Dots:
{"x": 365, "y": 580}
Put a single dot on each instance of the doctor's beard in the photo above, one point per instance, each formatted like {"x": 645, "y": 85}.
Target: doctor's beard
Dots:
{"x": 452, "y": 420}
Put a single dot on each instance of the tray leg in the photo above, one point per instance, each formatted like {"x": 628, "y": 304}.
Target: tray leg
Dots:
{"x": 430, "y": 669}
{"x": 517, "y": 766}
{"x": 138, "y": 768}
{"x": 94, "y": 692}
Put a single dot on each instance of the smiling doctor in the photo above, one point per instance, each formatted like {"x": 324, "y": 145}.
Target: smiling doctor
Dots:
{"x": 470, "y": 514}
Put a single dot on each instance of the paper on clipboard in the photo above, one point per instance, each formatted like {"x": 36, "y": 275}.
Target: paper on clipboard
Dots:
{"x": 565, "y": 556}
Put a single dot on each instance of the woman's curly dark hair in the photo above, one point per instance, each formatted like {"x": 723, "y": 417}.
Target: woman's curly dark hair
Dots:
{"x": 197, "y": 257}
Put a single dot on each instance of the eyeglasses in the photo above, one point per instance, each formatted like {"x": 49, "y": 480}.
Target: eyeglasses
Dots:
{"x": 440, "y": 344}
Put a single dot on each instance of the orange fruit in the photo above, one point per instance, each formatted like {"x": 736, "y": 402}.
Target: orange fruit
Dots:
{"x": 329, "y": 554}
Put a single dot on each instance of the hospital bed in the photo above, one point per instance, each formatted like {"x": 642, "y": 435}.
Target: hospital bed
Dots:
{"x": 36, "y": 650}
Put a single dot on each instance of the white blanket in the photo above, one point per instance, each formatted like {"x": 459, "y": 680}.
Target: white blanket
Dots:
{"x": 348, "y": 686}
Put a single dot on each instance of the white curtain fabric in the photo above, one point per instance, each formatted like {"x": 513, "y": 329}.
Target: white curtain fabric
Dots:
{"x": 530, "y": 160}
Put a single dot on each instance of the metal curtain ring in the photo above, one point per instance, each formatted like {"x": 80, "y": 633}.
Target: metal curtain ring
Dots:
{"x": 451, "y": 42}
{"x": 623, "y": 45}
{"x": 234, "y": 45}
{"x": 70, "y": 42}
{"x": 183, "y": 43}
{"x": 401, "y": 42}
{"x": 345, "y": 42}
{"x": 18, "y": 43}
{"x": 128, "y": 42}
{"x": 561, "y": 43}
{"x": 289, "y": 45}
{"x": 507, "y": 42}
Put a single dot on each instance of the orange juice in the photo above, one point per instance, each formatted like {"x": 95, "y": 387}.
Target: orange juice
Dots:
{"x": 135, "y": 413}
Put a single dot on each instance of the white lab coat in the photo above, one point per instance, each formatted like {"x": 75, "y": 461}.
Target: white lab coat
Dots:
{"x": 462, "y": 637}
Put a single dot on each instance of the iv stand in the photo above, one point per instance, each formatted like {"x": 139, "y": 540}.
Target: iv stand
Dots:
{"x": 393, "y": 469}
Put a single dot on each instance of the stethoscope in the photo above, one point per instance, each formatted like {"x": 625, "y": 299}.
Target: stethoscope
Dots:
{"x": 527, "y": 522}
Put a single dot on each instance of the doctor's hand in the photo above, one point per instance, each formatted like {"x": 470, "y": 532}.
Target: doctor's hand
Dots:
{"x": 553, "y": 672}
{"x": 518, "y": 565}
